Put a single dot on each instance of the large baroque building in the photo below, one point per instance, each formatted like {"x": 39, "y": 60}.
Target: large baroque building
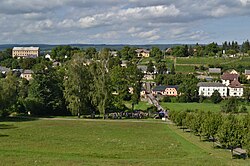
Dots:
{"x": 25, "y": 52}
{"x": 208, "y": 88}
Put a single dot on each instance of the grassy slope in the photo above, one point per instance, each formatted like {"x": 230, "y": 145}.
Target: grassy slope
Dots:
{"x": 77, "y": 142}
{"x": 193, "y": 106}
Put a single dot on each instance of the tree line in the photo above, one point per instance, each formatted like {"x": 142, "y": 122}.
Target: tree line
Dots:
{"x": 80, "y": 86}
{"x": 228, "y": 130}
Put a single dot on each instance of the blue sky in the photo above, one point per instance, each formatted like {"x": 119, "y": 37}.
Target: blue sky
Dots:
{"x": 123, "y": 21}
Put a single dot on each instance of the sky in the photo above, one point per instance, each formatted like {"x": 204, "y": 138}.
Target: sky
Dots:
{"x": 123, "y": 21}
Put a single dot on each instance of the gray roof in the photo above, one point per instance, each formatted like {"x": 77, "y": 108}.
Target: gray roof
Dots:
{"x": 28, "y": 72}
{"x": 142, "y": 68}
{"x": 214, "y": 70}
{"x": 210, "y": 84}
{"x": 247, "y": 72}
{"x": 4, "y": 69}
{"x": 163, "y": 87}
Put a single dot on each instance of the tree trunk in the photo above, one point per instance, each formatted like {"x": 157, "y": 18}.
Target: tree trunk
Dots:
{"x": 78, "y": 114}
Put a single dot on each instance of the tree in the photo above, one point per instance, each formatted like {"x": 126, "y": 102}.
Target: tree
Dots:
{"x": 211, "y": 124}
{"x": 8, "y": 94}
{"x": 231, "y": 106}
{"x": 101, "y": 93}
{"x": 231, "y": 133}
{"x": 246, "y": 94}
{"x": 77, "y": 86}
{"x": 45, "y": 94}
{"x": 150, "y": 67}
{"x": 216, "y": 98}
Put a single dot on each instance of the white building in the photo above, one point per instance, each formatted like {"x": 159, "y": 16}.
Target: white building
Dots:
{"x": 235, "y": 89}
{"x": 25, "y": 52}
{"x": 208, "y": 88}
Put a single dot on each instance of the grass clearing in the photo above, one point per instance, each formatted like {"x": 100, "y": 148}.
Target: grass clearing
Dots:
{"x": 80, "y": 142}
{"x": 193, "y": 106}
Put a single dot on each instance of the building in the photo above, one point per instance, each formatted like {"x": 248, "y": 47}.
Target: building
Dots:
{"x": 214, "y": 70}
{"x": 142, "y": 53}
{"x": 234, "y": 72}
{"x": 235, "y": 89}
{"x": 25, "y": 52}
{"x": 227, "y": 78}
{"x": 4, "y": 70}
{"x": 247, "y": 74}
{"x": 207, "y": 88}
{"x": 47, "y": 56}
{"x": 147, "y": 75}
{"x": 166, "y": 90}
{"x": 27, "y": 74}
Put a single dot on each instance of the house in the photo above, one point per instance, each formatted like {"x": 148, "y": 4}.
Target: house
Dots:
{"x": 25, "y": 52}
{"x": 124, "y": 63}
{"x": 27, "y": 74}
{"x": 235, "y": 89}
{"x": 166, "y": 90}
{"x": 169, "y": 51}
{"x": 4, "y": 70}
{"x": 207, "y": 88}
{"x": 234, "y": 72}
{"x": 142, "y": 53}
{"x": 227, "y": 78}
{"x": 47, "y": 56}
{"x": 113, "y": 53}
{"x": 214, "y": 70}
{"x": 147, "y": 75}
{"x": 247, "y": 74}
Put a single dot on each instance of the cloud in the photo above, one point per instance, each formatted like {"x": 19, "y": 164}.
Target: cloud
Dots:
{"x": 67, "y": 21}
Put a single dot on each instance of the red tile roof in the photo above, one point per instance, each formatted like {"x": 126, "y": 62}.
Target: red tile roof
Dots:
{"x": 228, "y": 76}
{"x": 235, "y": 84}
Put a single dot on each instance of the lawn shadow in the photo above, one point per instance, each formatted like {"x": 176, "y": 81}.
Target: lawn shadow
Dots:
{"x": 3, "y": 135}
{"x": 4, "y": 126}
{"x": 18, "y": 119}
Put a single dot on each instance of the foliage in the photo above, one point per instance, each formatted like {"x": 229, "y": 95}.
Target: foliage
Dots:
{"x": 231, "y": 106}
{"x": 216, "y": 97}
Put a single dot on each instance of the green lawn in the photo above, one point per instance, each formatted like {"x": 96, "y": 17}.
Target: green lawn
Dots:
{"x": 193, "y": 106}
{"x": 184, "y": 69}
{"x": 83, "y": 142}
{"x": 202, "y": 60}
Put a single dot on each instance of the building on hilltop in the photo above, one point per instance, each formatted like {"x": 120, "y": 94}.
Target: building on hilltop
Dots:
{"x": 207, "y": 88}
{"x": 25, "y": 52}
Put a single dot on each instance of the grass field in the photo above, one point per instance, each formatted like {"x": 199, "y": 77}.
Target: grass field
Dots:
{"x": 193, "y": 106}
{"x": 82, "y": 142}
{"x": 184, "y": 69}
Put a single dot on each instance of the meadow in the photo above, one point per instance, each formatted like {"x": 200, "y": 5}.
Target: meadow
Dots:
{"x": 110, "y": 142}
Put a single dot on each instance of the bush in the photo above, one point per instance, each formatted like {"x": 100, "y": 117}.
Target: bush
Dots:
{"x": 166, "y": 99}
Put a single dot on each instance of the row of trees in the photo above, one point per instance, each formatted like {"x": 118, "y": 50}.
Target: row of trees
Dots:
{"x": 211, "y": 49}
{"x": 230, "y": 131}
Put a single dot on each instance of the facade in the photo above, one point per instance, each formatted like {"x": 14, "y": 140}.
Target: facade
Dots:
{"x": 168, "y": 90}
{"x": 27, "y": 74}
{"x": 25, "y": 52}
{"x": 247, "y": 74}
{"x": 142, "y": 53}
{"x": 147, "y": 75}
{"x": 207, "y": 88}
{"x": 227, "y": 78}
{"x": 235, "y": 89}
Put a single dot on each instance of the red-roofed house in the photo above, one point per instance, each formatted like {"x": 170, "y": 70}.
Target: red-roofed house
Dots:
{"x": 235, "y": 89}
{"x": 227, "y": 78}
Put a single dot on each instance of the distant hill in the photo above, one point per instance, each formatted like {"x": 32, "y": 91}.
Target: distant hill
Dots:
{"x": 45, "y": 47}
